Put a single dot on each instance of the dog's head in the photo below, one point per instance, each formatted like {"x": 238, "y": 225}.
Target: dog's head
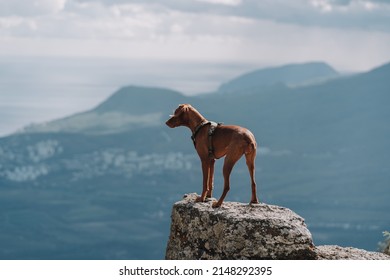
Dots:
{"x": 180, "y": 116}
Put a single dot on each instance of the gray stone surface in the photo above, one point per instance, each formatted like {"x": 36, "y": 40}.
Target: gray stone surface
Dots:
{"x": 237, "y": 231}
{"x": 386, "y": 250}
{"x": 242, "y": 231}
{"x": 385, "y": 245}
{"x": 333, "y": 252}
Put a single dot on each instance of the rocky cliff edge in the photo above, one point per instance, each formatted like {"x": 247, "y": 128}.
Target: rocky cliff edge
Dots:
{"x": 242, "y": 231}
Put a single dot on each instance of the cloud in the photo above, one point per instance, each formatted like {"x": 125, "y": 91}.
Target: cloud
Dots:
{"x": 30, "y": 8}
{"x": 351, "y": 14}
{"x": 223, "y": 2}
{"x": 158, "y": 19}
{"x": 348, "y": 14}
{"x": 17, "y": 27}
{"x": 270, "y": 31}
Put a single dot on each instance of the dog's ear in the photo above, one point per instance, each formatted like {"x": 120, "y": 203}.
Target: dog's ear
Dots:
{"x": 182, "y": 108}
{"x": 186, "y": 107}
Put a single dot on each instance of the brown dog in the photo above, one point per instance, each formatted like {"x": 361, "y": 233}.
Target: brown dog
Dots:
{"x": 213, "y": 142}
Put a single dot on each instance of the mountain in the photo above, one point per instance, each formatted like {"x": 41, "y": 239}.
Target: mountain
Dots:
{"x": 139, "y": 100}
{"x": 105, "y": 192}
{"x": 127, "y": 109}
{"x": 288, "y": 75}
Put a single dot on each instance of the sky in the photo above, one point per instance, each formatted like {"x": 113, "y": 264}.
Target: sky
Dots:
{"x": 60, "y": 57}
{"x": 351, "y": 35}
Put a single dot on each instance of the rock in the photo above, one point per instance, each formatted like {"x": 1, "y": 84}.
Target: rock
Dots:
{"x": 332, "y": 252}
{"x": 241, "y": 231}
{"x": 386, "y": 244}
{"x": 237, "y": 231}
{"x": 386, "y": 250}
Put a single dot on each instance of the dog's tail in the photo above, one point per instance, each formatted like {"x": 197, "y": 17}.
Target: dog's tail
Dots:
{"x": 252, "y": 145}
{"x": 251, "y": 148}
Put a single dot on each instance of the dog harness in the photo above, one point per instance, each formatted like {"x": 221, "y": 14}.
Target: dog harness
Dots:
{"x": 212, "y": 127}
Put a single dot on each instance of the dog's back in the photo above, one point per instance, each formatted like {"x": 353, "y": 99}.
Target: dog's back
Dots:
{"x": 228, "y": 137}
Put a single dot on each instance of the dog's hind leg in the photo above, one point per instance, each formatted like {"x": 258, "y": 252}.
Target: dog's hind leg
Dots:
{"x": 250, "y": 162}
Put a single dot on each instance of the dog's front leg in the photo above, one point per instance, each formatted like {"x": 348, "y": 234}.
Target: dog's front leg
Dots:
{"x": 211, "y": 179}
{"x": 206, "y": 175}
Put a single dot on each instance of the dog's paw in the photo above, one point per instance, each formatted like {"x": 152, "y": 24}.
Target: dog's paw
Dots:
{"x": 215, "y": 204}
{"x": 199, "y": 199}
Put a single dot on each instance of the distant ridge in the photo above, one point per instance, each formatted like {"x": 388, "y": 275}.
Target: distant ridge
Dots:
{"x": 139, "y": 100}
{"x": 381, "y": 72}
{"x": 287, "y": 75}
{"x": 129, "y": 108}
